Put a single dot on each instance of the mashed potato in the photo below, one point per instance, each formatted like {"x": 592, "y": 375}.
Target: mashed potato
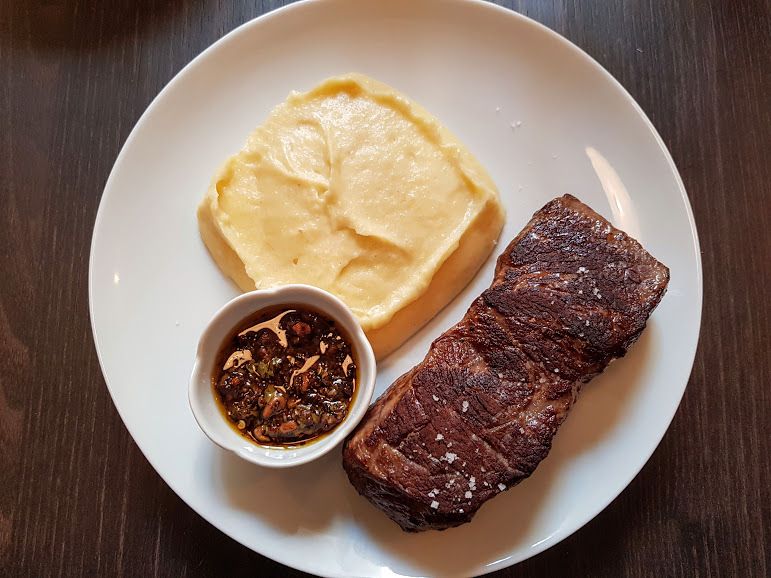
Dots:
{"x": 354, "y": 188}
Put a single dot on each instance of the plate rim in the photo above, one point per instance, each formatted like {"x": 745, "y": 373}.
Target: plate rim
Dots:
{"x": 503, "y": 12}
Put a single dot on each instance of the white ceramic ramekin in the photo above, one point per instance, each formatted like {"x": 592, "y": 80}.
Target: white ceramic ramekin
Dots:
{"x": 201, "y": 393}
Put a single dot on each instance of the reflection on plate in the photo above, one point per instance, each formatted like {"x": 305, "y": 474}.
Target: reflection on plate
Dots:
{"x": 542, "y": 117}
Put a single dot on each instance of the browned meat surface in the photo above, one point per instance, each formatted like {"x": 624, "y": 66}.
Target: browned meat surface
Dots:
{"x": 479, "y": 413}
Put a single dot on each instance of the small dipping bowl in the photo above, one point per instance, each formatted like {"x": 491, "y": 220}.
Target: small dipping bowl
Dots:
{"x": 207, "y": 408}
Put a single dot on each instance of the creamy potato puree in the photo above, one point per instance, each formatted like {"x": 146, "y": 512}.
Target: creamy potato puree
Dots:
{"x": 354, "y": 188}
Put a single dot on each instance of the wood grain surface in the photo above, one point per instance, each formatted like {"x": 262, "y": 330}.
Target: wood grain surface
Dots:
{"x": 76, "y": 495}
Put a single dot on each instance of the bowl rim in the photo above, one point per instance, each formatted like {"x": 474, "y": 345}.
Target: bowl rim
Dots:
{"x": 216, "y": 331}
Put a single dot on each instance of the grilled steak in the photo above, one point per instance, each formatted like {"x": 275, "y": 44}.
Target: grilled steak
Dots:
{"x": 479, "y": 413}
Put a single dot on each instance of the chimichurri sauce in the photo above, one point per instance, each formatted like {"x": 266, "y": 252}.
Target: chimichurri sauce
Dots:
{"x": 286, "y": 376}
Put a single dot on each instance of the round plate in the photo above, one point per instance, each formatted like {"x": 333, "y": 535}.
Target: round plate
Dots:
{"x": 542, "y": 116}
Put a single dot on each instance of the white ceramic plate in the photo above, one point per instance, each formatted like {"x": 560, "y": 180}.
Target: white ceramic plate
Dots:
{"x": 479, "y": 69}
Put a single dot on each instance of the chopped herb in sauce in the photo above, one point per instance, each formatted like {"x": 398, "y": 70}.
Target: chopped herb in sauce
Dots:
{"x": 286, "y": 376}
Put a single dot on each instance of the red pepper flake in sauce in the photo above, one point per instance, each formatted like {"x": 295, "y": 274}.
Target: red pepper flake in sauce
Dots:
{"x": 286, "y": 376}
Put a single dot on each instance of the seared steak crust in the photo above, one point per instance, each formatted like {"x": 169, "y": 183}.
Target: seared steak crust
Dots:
{"x": 479, "y": 413}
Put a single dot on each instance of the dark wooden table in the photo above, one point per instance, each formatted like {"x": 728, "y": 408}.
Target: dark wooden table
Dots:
{"x": 76, "y": 495}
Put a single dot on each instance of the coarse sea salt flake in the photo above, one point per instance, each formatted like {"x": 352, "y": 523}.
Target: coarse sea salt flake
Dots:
{"x": 465, "y": 406}
{"x": 434, "y": 398}
{"x": 468, "y": 495}
{"x": 439, "y": 437}
{"x": 435, "y": 505}
{"x": 450, "y": 457}
{"x": 501, "y": 487}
